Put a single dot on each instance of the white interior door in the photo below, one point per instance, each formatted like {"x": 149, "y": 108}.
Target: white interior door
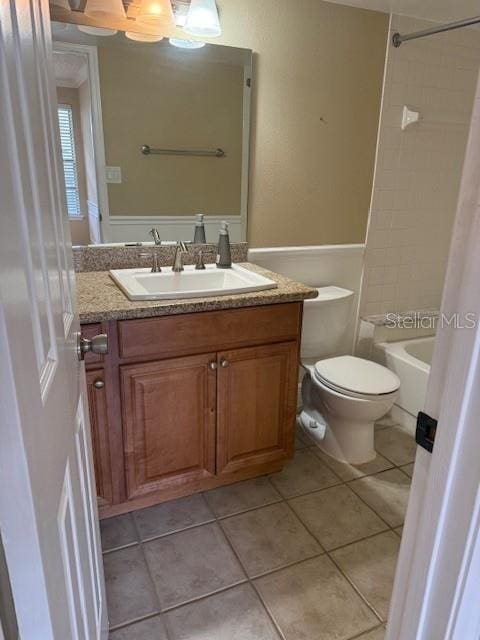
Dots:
{"x": 48, "y": 520}
{"x": 436, "y": 591}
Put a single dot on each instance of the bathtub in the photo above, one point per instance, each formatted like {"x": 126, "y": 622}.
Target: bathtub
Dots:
{"x": 410, "y": 360}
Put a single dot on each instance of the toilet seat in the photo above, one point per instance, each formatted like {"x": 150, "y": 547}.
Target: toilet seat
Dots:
{"x": 356, "y": 377}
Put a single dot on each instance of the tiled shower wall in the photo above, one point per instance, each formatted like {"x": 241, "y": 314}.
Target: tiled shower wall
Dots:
{"x": 418, "y": 170}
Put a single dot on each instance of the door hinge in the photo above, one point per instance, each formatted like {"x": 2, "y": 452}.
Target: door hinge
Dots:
{"x": 426, "y": 431}
{"x": 248, "y": 82}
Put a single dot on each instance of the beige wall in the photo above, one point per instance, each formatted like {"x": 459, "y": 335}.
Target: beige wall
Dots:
{"x": 318, "y": 72}
{"x": 166, "y": 98}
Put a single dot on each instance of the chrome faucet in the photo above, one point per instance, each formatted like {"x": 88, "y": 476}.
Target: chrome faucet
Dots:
{"x": 155, "y": 235}
{"x": 180, "y": 251}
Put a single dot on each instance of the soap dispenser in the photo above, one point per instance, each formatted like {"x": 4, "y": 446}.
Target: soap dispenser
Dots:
{"x": 199, "y": 235}
{"x": 224, "y": 256}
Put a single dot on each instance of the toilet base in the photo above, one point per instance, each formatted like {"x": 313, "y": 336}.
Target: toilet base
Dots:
{"x": 351, "y": 443}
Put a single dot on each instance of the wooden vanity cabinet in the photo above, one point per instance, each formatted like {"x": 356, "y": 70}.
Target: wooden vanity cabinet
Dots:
{"x": 97, "y": 404}
{"x": 192, "y": 402}
{"x": 169, "y": 411}
{"x": 256, "y": 395}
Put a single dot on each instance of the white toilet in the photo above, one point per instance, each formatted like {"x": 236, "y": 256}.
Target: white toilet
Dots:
{"x": 343, "y": 396}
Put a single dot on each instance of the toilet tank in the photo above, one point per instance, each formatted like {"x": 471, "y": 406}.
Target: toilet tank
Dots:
{"x": 326, "y": 322}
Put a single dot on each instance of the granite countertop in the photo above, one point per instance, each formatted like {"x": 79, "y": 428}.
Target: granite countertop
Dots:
{"x": 99, "y": 299}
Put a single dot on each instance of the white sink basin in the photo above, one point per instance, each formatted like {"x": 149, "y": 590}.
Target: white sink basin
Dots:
{"x": 141, "y": 284}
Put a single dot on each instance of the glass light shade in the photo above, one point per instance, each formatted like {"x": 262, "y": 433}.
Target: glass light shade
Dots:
{"x": 180, "y": 11}
{"x": 96, "y": 31}
{"x": 105, "y": 9}
{"x": 202, "y": 19}
{"x": 142, "y": 37}
{"x": 156, "y": 13}
{"x": 186, "y": 44}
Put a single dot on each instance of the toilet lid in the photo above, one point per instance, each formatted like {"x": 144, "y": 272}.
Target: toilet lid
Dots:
{"x": 357, "y": 375}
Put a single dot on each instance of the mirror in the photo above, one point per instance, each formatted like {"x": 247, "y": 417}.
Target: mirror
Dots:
{"x": 151, "y": 135}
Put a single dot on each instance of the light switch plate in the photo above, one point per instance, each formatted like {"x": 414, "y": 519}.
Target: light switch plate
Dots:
{"x": 114, "y": 175}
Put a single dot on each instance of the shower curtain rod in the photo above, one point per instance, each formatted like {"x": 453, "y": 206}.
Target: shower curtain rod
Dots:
{"x": 398, "y": 38}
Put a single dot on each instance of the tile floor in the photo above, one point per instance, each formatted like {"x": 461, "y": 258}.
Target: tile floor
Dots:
{"x": 308, "y": 553}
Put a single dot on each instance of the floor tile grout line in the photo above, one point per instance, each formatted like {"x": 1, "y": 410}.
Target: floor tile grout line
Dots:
{"x": 270, "y": 614}
{"x": 288, "y": 565}
{"x": 123, "y": 625}
{"x": 358, "y": 636}
{"x": 250, "y": 580}
{"x": 327, "y": 552}
{"x": 348, "y": 482}
{"x": 356, "y": 589}
{"x": 349, "y": 544}
{"x": 106, "y": 552}
{"x": 219, "y": 520}
{"x": 173, "y": 532}
{"x": 255, "y": 508}
{"x": 251, "y": 583}
{"x": 281, "y": 498}
{"x": 370, "y": 507}
{"x": 164, "y": 610}
{"x": 390, "y": 526}
{"x": 149, "y": 570}
{"x": 210, "y": 594}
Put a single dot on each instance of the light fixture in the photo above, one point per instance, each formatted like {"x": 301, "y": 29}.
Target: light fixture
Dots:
{"x": 202, "y": 19}
{"x": 180, "y": 11}
{"x": 156, "y": 13}
{"x": 105, "y": 9}
{"x": 142, "y": 37}
{"x": 186, "y": 44}
{"x": 96, "y": 31}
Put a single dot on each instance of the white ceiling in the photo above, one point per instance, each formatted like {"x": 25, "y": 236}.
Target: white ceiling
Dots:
{"x": 436, "y": 10}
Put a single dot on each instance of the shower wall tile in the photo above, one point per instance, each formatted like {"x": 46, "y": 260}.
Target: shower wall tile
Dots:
{"x": 418, "y": 170}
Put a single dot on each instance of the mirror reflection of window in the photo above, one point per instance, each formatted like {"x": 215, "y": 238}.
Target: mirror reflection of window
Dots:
{"x": 67, "y": 142}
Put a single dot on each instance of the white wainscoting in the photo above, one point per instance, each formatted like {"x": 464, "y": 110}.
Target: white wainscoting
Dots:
{"x": 319, "y": 266}
{"x": 136, "y": 228}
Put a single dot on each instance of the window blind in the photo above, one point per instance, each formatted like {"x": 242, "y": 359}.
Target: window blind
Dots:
{"x": 67, "y": 141}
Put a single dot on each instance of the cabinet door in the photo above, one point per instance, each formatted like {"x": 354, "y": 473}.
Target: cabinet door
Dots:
{"x": 97, "y": 405}
{"x": 169, "y": 418}
{"x": 257, "y": 394}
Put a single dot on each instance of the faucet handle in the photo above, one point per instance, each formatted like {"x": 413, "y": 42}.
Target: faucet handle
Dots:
{"x": 199, "y": 262}
{"x": 156, "y": 268}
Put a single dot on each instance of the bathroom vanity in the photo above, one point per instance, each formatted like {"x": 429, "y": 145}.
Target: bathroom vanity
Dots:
{"x": 193, "y": 394}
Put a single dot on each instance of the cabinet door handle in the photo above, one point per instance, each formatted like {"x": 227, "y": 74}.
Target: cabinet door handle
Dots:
{"x": 99, "y": 384}
{"x": 213, "y": 365}
{"x": 224, "y": 363}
